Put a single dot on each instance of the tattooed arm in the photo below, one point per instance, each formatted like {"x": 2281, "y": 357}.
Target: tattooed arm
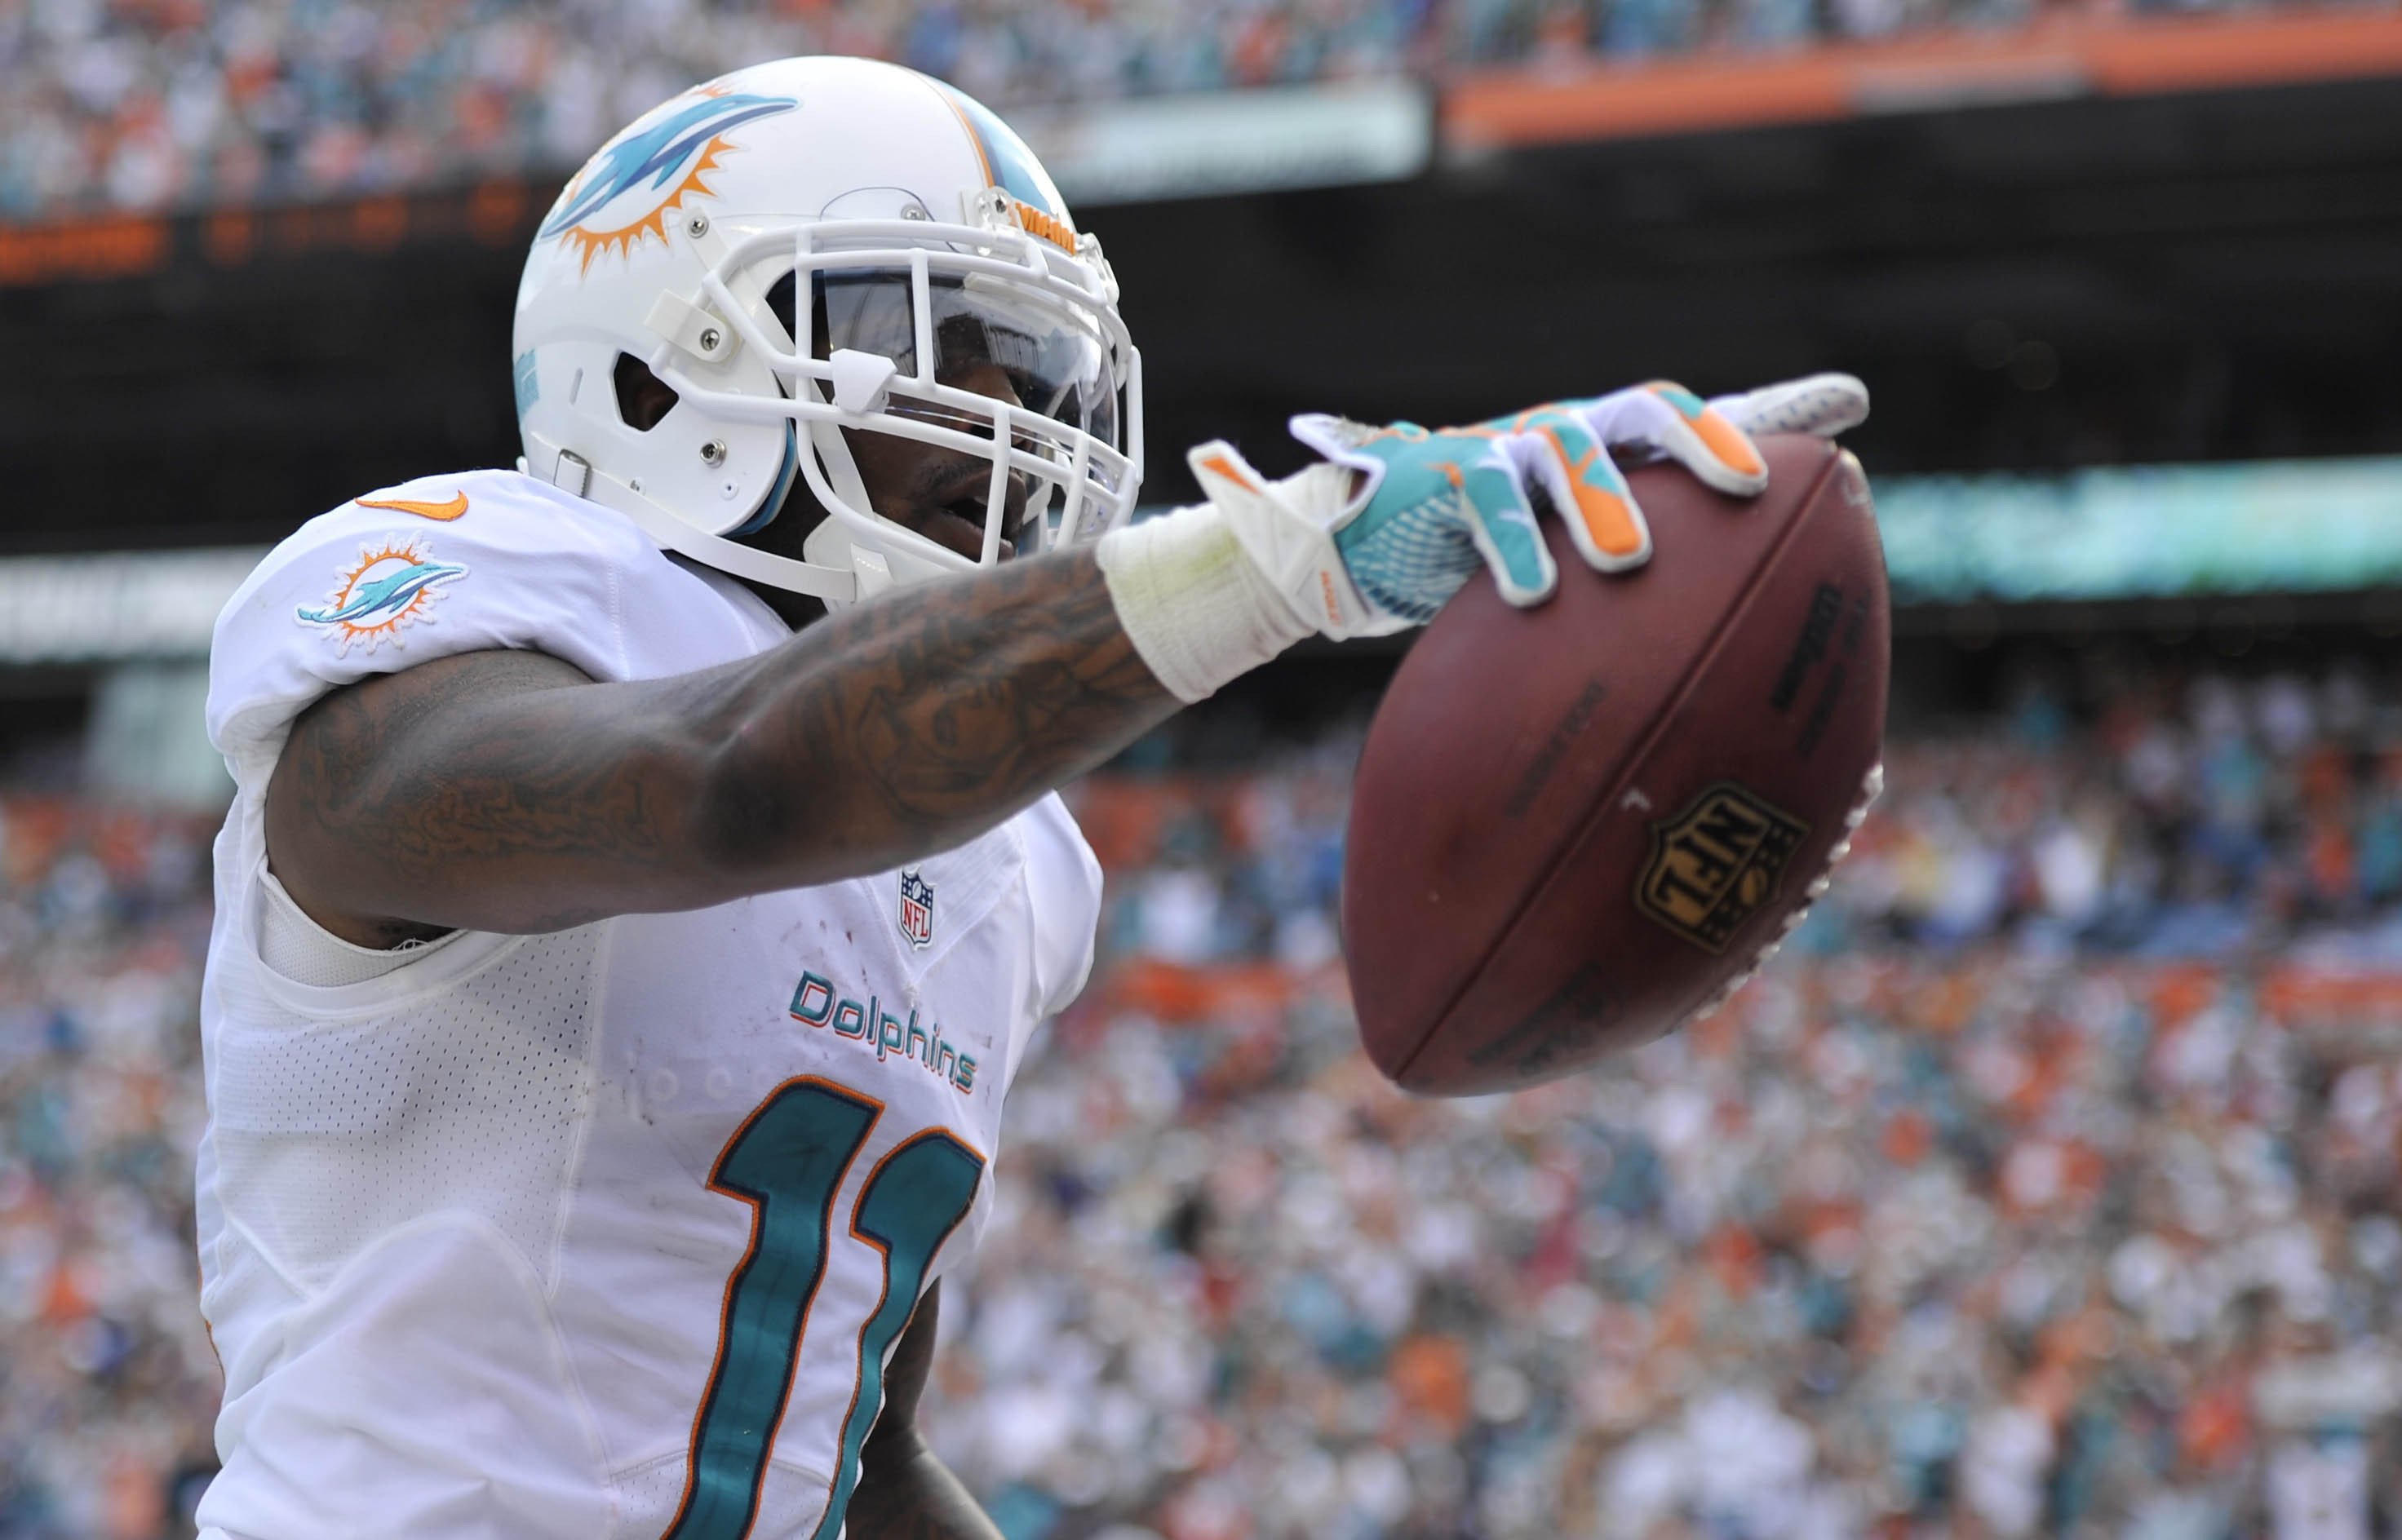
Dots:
{"x": 507, "y": 792}
{"x": 905, "y": 1493}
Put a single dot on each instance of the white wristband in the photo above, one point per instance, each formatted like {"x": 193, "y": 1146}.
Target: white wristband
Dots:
{"x": 1196, "y": 607}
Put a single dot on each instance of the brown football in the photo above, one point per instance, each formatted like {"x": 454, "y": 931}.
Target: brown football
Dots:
{"x": 1576, "y": 826}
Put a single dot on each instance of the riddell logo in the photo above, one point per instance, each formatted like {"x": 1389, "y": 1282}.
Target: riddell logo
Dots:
{"x": 1033, "y": 221}
{"x": 1716, "y": 863}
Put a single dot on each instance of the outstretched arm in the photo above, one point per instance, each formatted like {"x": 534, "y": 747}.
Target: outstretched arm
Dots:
{"x": 905, "y": 1493}
{"x": 507, "y": 792}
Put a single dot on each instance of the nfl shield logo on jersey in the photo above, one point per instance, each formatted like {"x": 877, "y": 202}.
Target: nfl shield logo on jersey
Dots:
{"x": 916, "y": 907}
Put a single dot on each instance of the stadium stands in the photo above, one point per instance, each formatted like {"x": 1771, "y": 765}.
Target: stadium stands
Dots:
{"x": 2018, "y": 1202}
{"x": 110, "y": 1385}
{"x": 152, "y": 104}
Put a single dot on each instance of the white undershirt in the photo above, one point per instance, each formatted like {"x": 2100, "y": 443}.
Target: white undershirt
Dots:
{"x": 299, "y": 948}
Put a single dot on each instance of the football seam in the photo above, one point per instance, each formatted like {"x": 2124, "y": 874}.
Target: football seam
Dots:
{"x": 1646, "y": 741}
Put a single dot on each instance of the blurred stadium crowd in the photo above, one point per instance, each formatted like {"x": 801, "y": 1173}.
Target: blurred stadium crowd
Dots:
{"x": 2046, "y": 1191}
{"x": 142, "y": 104}
{"x": 109, "y": 1385}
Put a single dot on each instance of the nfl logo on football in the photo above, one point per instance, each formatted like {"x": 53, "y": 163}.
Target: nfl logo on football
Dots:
{"x": 916, "y": 907}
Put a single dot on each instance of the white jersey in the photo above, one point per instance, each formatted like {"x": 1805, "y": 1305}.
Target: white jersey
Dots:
{"x": 607, "y": 1232}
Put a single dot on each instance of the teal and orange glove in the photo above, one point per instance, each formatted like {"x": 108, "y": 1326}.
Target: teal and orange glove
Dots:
{"x": 1387, "y": 545}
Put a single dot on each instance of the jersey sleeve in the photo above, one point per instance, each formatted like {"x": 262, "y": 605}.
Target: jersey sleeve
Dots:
{"x": 435, "y": 567}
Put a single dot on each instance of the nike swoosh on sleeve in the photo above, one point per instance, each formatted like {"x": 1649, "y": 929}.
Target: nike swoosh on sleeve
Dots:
{"x": 441, "y": 511}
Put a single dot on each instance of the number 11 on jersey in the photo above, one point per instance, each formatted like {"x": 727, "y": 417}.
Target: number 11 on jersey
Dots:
{"x": 788, "y": 1160}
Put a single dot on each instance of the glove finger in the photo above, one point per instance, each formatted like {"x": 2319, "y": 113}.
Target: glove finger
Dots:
{"x": 1728, "y": 445}
{"x": 1559, "y": 449}
{"x": 1824, "y": 404}
{"x": 1673, "y": 422}
{"x": 1501, "y": 521}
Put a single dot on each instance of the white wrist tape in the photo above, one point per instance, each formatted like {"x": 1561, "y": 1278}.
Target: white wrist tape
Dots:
{"x": 1196, "y": 607}
{"x": 1287, "y": 527}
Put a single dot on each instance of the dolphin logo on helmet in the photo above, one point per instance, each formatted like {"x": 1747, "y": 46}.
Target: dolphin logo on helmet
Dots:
{"x": 682, "y": 148}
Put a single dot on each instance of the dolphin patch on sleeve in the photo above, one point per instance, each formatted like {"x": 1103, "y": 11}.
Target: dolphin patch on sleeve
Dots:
{"x": 393, "y": 586}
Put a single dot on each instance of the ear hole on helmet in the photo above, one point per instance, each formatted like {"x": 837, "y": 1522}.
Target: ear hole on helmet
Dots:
{"x": 643, "y": 397}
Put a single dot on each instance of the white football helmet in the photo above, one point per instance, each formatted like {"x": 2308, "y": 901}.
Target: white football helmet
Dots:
{"x": 810, "y": 245}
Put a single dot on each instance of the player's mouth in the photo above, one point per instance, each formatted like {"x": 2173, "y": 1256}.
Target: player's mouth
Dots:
{"x": 952, "y": 513}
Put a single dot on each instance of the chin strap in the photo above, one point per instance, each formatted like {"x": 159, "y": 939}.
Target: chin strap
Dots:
{"x": 572, "y": 472}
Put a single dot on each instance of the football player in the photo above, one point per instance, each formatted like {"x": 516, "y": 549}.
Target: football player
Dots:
{"x": 645, "y": 875}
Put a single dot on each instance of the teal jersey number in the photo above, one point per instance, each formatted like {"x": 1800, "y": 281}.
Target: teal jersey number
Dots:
{"x": 787, "y": 1161}
{"x": 911, "y": 1204}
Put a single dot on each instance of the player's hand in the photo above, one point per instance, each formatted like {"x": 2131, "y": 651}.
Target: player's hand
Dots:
{"x": 1436, "y": 502}
{"x": 1427, "y": 508}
